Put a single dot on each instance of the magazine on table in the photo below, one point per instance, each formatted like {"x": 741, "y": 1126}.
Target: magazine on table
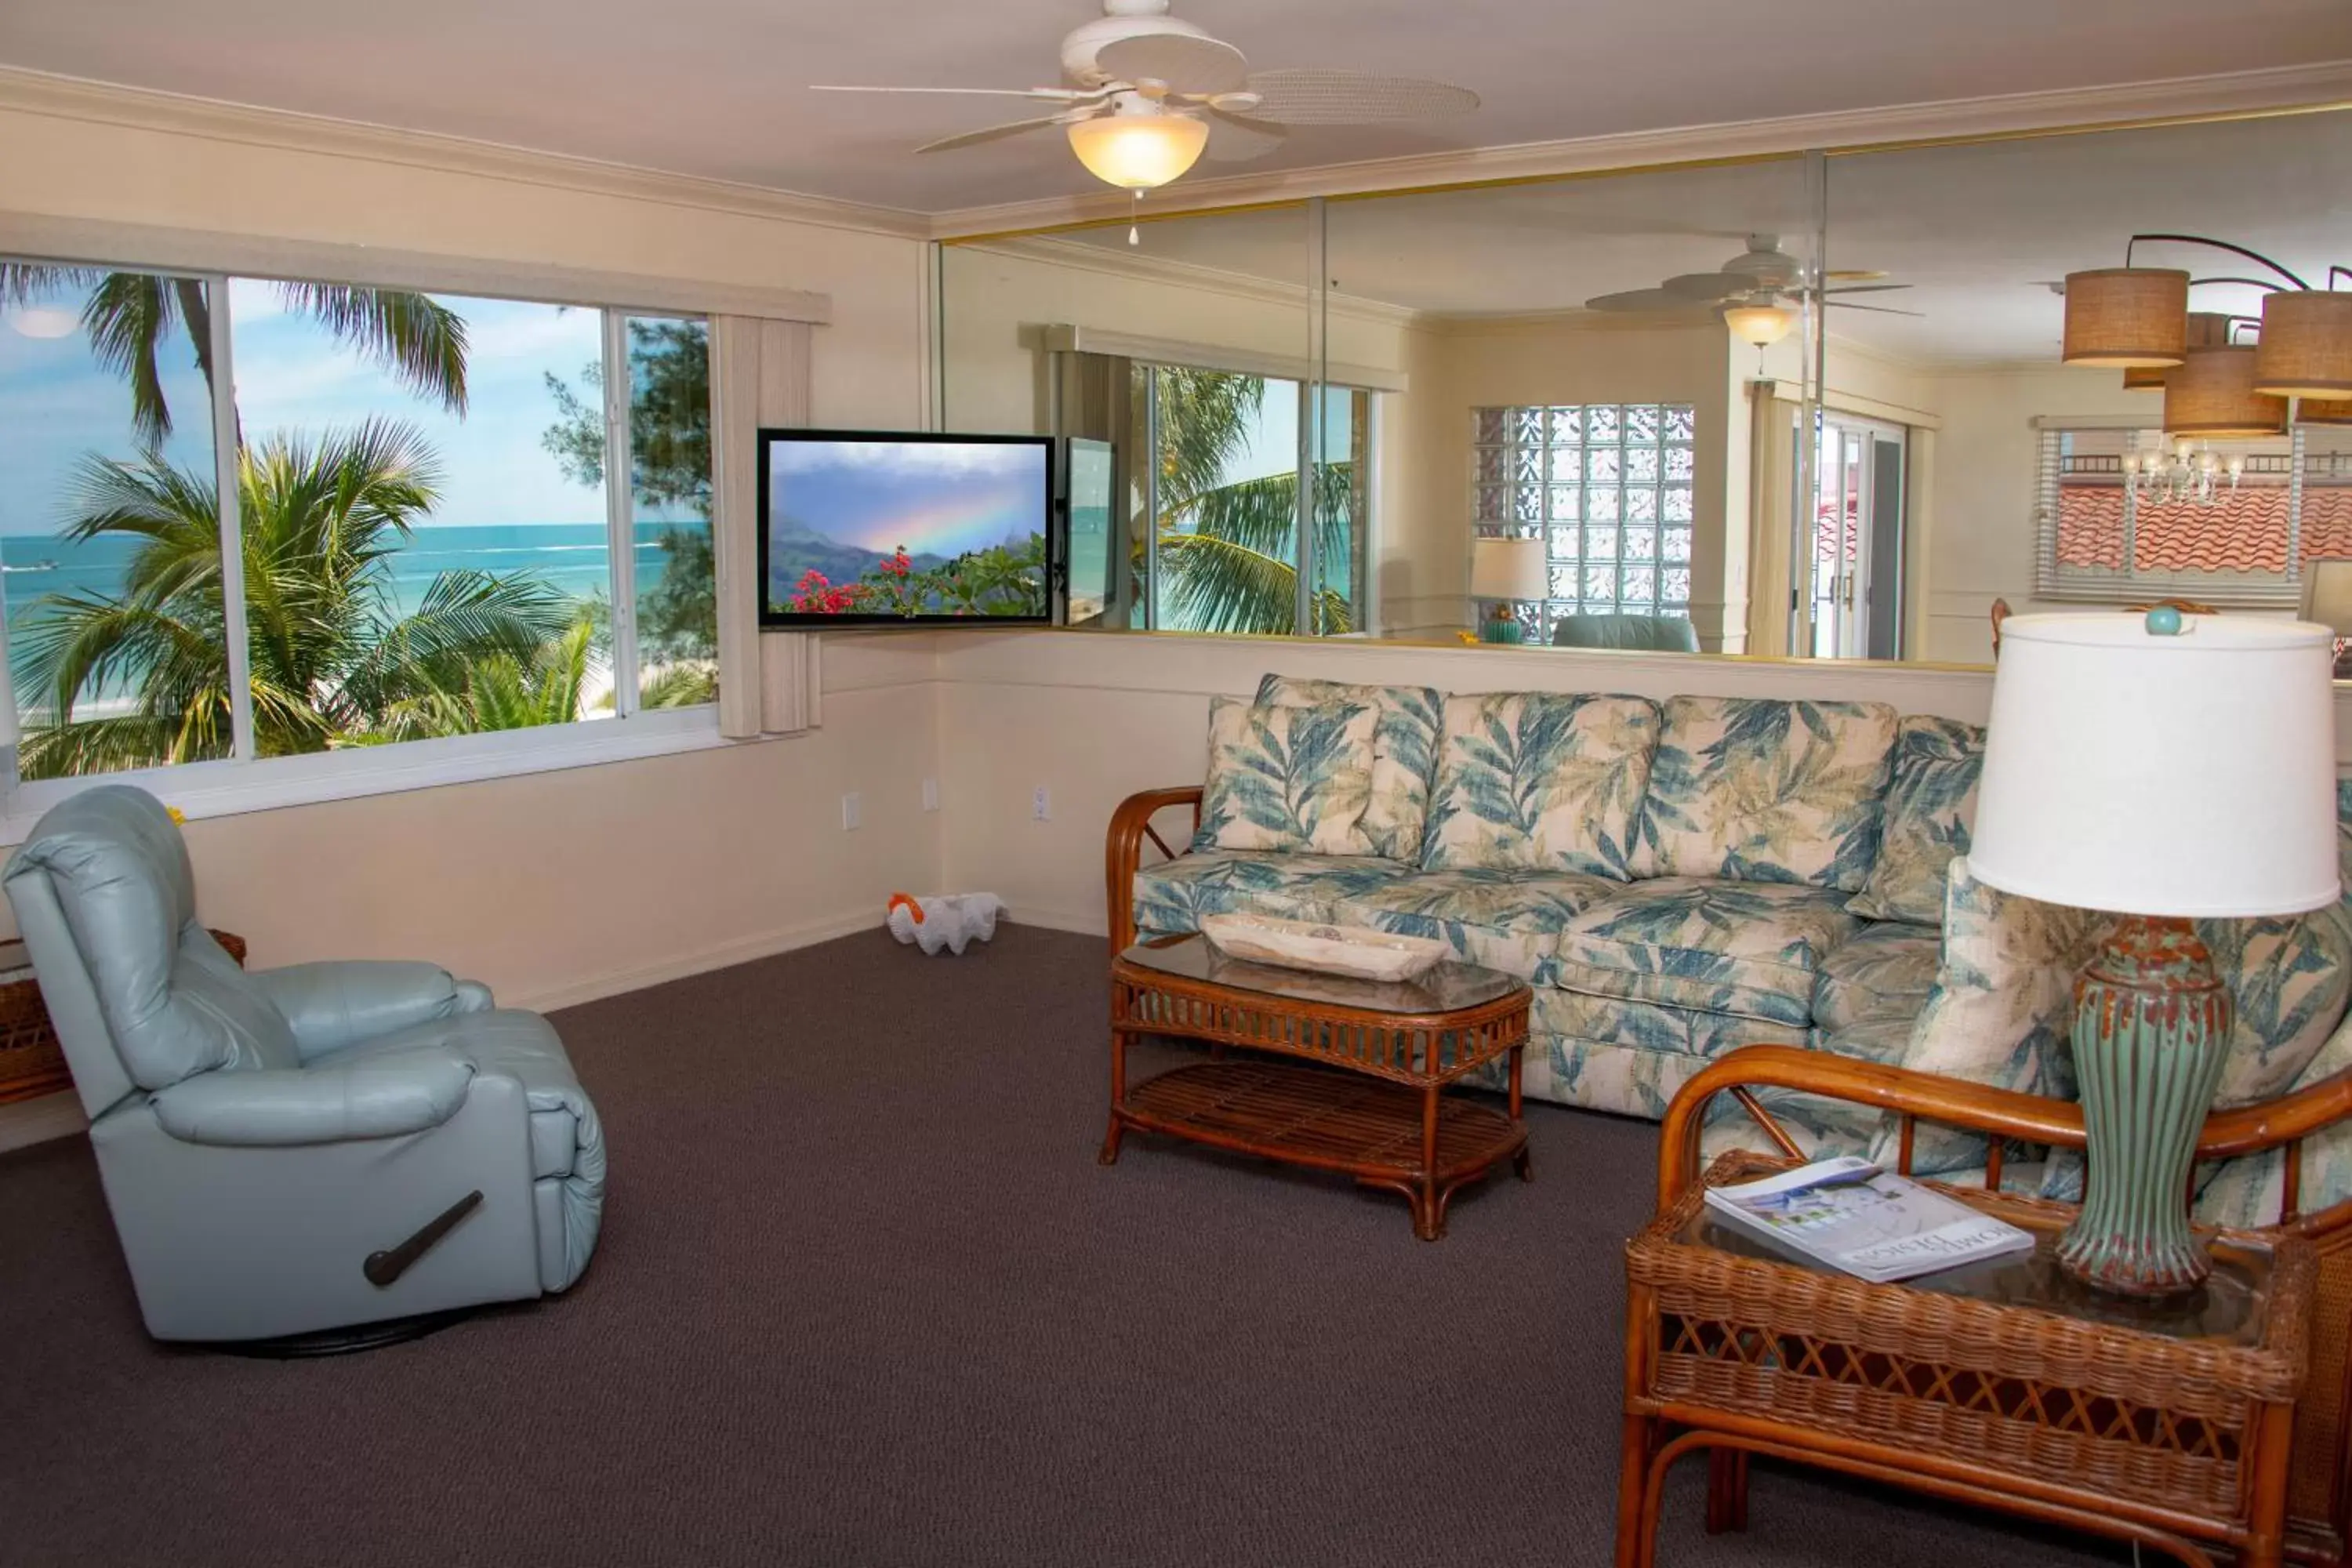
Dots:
{"x": 1853, "y": 1217}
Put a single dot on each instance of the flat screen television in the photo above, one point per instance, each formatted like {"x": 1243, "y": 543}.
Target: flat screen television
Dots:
{"x": 877, "y": 528}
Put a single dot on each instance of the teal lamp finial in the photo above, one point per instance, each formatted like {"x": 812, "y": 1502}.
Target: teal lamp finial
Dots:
{"x": 2164, "y": 621}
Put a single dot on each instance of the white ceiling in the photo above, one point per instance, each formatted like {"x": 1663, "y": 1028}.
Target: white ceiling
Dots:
{"x": 716, "y": 87}
{"x": 1976, "y": 230}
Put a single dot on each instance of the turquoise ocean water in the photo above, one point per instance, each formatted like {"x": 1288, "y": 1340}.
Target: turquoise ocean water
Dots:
{"x": 572, "y": 556}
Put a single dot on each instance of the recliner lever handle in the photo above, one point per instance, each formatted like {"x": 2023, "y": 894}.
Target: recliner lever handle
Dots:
{"x": 384, "y": 1268}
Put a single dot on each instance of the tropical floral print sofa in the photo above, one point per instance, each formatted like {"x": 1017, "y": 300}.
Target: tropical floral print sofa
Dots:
{"x": 1680, "y": 878}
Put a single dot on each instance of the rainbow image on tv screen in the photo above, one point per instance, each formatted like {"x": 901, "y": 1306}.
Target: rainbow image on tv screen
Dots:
{"x": 880, "y": 528}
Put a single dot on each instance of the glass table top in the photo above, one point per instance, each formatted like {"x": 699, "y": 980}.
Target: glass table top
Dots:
{"x": 1447, "y": 988}
{"x": 2230, "y": 1307}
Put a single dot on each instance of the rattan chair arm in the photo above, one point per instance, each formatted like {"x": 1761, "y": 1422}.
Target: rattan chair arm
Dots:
{"x": 1898, "y": 1090}
{"x": 2267, "y": 1124}
{"x": 1123, "y": 851}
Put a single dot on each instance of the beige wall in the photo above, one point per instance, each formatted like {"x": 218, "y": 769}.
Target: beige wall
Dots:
{"x": 555, "y": 886}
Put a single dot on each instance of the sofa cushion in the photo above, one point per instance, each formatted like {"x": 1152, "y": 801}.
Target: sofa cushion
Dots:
{"x": 1173, "y": 896}
{"x": 2003, "y": 1003}
{"x": 1930, "y": 807}
{"x": 1541, "y": 782}
{"x": 1404, "y": 751}
{"x": 1760, "y": 790}
{"x": 1884, "y": 970}
{"x": 1501, "y": 918}
{"x": 2289, "y": 979}
{"x": 2248, "y": 1189}
{"x": 1751, "y": 949}
{"x": 1654, "y": 1025}
{"x": 1295, "y": 779}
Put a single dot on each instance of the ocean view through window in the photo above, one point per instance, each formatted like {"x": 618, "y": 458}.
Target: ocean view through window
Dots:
{"x": 428, "y": 545}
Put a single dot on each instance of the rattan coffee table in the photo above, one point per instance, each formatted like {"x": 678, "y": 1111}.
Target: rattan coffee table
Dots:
{"x": 1361, "y": 1092}
{"x": 2002, "y": 1382}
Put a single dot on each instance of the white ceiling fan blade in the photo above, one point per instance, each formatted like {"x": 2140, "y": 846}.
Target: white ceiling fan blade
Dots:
{"x": 1046, "y": 94}
{"x": 995, "y": 132}
{"x": 1709, "y": 287}
{"x": 1864, "y": 288}
{"x": 1236, "y": 139}
{"x": 1350, "y": 98}
{"x": 1873, "y": 310}
{"x": 1186, "y": 62}
{"x": 1643, "y": 300}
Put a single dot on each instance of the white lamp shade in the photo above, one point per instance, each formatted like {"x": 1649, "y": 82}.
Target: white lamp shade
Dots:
{"x": 2191, "y": 775}
{"x": 2327, "y": 594}
{"x": 1509, "y": 569}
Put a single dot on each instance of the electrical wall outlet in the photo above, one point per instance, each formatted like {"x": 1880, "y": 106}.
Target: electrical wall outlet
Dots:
{"x": 852, "y": 815}
{"x": 1041, "y": 805}
{"x": 930, "y": 794}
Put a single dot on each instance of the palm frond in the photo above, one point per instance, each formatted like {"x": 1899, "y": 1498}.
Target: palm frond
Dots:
{"x": 420, "y": 341}
{"x": 1215, "y": 584}
{"x": 30, "y": 282}
{"x": 680, "y": 686}
{"x": 126, "y": 319}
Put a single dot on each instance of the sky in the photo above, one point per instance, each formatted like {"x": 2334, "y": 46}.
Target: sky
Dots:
{"x": 935, "y": 498}
{"x": 57, "y": 403}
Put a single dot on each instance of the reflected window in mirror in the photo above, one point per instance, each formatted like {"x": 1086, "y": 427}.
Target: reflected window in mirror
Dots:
{"x": 1608, "y": 487}
{"x": 2122, "y": 514}
{"x": 1215, "y": 511}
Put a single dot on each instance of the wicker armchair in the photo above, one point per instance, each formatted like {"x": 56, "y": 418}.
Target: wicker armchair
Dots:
{"x": 2317, "y": 1490}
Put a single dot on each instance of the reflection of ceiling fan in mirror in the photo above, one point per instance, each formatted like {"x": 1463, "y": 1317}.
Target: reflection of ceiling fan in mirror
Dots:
{"x": 1759, "y": 293}
{"x": 1149, "y": 94}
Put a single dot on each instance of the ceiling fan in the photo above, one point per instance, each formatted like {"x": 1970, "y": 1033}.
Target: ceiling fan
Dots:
{"x": 1147, "y": 94}
{"x": 1758, "y": 292}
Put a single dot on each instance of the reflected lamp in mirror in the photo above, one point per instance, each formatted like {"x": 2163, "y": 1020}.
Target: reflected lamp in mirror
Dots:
{"x": 1506, "y": 572}
{"x": 2327, "y": 602}
{"x": 2211, "y": 394}
{"x": 1761, "y": 325}
{"x": 2164, "y": 768}
{"x": 2306, "y": 345}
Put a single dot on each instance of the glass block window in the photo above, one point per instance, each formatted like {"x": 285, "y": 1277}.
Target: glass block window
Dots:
{"x": 1607, "y": 486}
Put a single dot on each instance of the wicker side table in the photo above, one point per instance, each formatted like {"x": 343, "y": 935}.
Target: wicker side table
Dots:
{"x": 2002, "y": 1382}
{"x": 32, "y": 1063}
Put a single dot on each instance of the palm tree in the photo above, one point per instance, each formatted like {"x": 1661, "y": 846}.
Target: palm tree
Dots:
{"x": 333, "y": 657}
{"x": 128, "y": 317}
{"x": 1229, "y": 549}
{"x": 501, "y": 691}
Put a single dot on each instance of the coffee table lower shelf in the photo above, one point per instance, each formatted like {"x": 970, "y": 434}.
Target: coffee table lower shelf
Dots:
{"x": 1373, "y": 1130}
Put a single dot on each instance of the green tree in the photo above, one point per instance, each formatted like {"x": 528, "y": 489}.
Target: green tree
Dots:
{"x": 333, "y": 658}
{"x": 669, "y": 436}
{"x": 129, "y": 317}
{"x": 1229, "y": 549}
{"x": 497, "y": 692}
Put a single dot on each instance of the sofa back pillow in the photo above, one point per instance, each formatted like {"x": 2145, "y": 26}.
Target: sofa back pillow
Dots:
{"x": 1930, "y": 808}
{"x": 2001, "y": 1009}
{"x": 1288, "y": 779}
{"x": 1404, "y": 751}
{"x": 1543, "y": 782}
{"x": 1756, "y": 789}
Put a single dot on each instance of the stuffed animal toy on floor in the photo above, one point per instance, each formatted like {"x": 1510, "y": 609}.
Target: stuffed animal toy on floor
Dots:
{"x": 950, "y": 921}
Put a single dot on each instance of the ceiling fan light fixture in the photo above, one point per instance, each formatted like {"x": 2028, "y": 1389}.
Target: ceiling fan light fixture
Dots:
{"x": 2212, "y": 395}
{"x": 2127, "y": 317}
{"x": 1760, "y": 325}
{"x": 1137, "y": 151}
{"x": 2306, "y": 345}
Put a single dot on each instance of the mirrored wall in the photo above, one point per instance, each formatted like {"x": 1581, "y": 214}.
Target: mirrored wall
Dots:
{"x": 1809, "y": 406}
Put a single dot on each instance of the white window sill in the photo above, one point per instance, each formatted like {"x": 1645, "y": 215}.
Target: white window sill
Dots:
{"x": 228, "y": 788}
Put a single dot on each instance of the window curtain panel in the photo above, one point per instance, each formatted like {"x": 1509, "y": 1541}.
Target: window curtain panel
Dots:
{"x": 1772, "y": 481}
{"x": 768, "y": 682}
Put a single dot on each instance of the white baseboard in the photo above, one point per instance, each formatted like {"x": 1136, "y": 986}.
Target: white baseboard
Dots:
{"x": 1085, "y": 922}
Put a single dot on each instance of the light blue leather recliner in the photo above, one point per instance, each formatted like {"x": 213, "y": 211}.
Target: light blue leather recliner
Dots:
{"x": 300, "y": 1149}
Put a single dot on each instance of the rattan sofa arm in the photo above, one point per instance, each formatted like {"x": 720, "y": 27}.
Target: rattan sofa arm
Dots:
{"x": 1130, "y": 824}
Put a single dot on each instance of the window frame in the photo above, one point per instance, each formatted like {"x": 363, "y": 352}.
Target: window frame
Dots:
{"x": 243, "y": 782}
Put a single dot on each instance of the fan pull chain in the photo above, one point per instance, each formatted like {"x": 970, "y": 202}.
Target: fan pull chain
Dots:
{"x": 1135, "y": 210}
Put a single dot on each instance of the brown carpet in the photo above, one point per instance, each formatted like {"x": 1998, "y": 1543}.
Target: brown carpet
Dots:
{"x": 864, "y": 1297}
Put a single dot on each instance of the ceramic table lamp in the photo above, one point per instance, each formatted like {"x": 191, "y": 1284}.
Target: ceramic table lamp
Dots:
{"x": 1507, "y": 571}
{"x": 2163, "y": 767}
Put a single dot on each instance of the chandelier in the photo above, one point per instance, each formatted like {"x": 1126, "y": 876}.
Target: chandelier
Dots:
{"x": 2181, "y": 476}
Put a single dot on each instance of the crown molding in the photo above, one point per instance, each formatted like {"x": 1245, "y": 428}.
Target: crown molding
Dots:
{"x": 143, "y": 108}
{"x": 1140, "y": 265}
{"x": 2326, "y": 84}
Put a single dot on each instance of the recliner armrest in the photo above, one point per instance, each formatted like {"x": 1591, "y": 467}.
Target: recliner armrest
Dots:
{"x": 380, "y": 1097}
{"x": 332, "y": 1006}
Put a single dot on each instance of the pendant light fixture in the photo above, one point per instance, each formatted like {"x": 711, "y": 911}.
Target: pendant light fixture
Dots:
{"x": 2306, "y": 346}
{"x": 2128, "y": 317}
{"x": 2211, "y": 394}
{"x": 2207, "y": 330}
